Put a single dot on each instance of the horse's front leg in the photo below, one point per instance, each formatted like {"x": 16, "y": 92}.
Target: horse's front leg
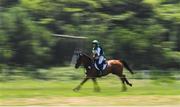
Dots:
{"x": 79, "y": 86}
{"x": 96, "y": 86}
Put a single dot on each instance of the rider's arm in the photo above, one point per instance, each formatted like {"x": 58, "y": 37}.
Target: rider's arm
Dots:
{"x": 98, "y": 51}
{"x": 94, "y": 53}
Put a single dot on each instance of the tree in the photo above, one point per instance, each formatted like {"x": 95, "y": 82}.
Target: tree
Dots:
{"x": 29, "y": 43}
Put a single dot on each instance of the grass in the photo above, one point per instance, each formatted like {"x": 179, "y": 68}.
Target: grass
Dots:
{"x": 61, "y": 88}
{"x": 39, "y": 88}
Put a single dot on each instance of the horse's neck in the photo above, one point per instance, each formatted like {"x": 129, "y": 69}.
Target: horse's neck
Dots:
{"x": 88, "y": 61}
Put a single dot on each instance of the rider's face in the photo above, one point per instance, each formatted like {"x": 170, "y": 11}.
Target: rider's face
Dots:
{"x": 94, "y": 45}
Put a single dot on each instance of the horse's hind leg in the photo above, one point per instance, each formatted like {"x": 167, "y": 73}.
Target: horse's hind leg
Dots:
{"x": 124, "y": 88}
{"x": 121, "y": 77}
{"x": 125, "y": 79}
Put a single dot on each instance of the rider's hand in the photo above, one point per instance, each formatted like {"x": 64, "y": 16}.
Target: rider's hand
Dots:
{"x": 96, "y": 57}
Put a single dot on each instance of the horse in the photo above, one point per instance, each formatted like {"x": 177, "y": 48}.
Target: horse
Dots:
{"x": 113, "y": 66}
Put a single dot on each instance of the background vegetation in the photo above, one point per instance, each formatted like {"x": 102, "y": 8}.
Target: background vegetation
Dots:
{"x": 143, "y": 32}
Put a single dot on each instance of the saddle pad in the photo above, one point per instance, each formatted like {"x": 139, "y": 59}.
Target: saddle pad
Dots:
{"x": 104, "y": 66}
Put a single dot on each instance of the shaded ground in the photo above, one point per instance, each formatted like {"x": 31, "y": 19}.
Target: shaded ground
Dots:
{"x": 96, "y": 101}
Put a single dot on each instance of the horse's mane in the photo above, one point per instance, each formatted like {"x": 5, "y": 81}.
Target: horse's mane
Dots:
{"x": 90, "y": 59}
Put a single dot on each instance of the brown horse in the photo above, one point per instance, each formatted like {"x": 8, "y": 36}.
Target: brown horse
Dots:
{"x": 114, "y": 66}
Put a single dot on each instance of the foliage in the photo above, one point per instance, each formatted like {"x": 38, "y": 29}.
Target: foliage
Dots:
{"x": 134, "y": 30}
{"x": 28, "y": 44}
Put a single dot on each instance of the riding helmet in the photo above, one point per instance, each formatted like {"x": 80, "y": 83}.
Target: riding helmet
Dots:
{"x": 95, "y": 42}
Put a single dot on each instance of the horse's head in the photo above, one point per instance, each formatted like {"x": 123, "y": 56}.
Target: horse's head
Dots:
{"x": 83, "y": 59}
{"x": 79, "y": 60}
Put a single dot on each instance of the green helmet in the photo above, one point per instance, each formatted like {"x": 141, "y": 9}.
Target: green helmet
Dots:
{"x": 95, "y": 42}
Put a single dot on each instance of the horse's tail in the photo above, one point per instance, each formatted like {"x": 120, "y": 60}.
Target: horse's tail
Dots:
{"x": 127, "y": 66}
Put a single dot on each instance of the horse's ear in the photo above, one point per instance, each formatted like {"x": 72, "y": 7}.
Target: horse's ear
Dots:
{"x": 77, "y": 52}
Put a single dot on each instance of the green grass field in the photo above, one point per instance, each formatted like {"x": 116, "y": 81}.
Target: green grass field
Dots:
{"x": 59, "y": 91}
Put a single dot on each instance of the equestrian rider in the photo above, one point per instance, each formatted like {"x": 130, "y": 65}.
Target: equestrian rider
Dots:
{"x": 98, "y": 55}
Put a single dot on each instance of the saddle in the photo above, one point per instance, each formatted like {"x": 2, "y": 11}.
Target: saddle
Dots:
{"x": 103, "y": 70}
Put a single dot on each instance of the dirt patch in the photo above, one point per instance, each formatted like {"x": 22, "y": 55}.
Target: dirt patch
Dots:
{"x": 96, "y": 101}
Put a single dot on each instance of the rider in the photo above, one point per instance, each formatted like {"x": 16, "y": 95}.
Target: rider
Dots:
{"x": 98, "y": 55}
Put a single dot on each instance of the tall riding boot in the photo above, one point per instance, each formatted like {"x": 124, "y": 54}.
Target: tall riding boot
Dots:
{"x": 100, "y": 69}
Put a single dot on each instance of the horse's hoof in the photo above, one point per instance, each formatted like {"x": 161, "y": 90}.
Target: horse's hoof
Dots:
{"x": 97, "y": 90}
{"x": 130, "y": 85}
{"x": 75, "y": 90}
{"x": 124, "y": 89}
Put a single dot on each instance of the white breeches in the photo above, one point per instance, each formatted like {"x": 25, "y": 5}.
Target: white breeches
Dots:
{"x": 101, "y": 59}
